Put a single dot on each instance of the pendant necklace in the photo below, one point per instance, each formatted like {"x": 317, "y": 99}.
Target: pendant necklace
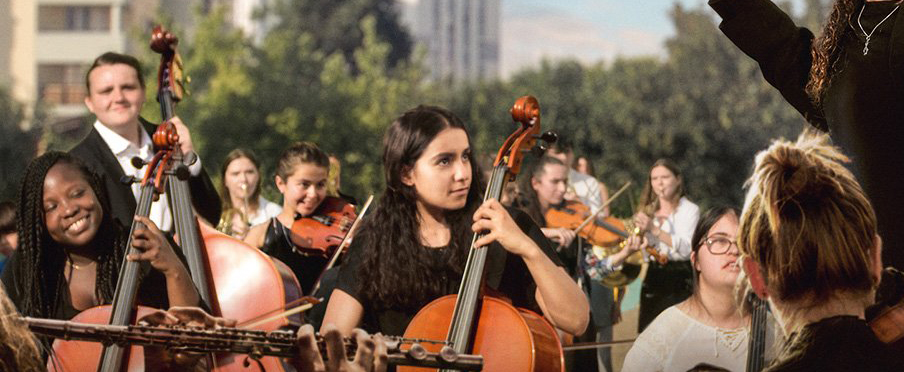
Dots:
{"x": 870, "y": 34}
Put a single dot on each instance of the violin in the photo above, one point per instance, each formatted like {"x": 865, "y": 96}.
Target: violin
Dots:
{"x": 604, "y": 233}
{"x": 320, "y": 233}
{"x": 888, "y": 324}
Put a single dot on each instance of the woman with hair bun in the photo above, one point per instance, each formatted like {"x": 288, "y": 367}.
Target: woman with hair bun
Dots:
{"x": 809, "y": 241}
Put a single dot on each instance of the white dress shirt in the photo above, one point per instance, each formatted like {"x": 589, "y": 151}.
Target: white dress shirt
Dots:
{"x": 124, "y": 151}
{"x": 586, "y": 188}
{"x": 680, "y": 226}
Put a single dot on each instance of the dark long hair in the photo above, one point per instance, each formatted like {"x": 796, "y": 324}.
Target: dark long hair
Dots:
{"x": 827, "y": 50}
{"x": 396, "y": 271}
{"x": 528, "y": 201}
{"x": 41, "y": 259}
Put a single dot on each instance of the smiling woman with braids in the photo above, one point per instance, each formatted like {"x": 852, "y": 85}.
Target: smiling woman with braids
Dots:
{"x": 848, "y": 82}
{"x": 70, "y": 249}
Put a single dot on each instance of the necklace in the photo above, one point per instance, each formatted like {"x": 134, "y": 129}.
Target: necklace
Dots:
{"x": 870, "y": 34}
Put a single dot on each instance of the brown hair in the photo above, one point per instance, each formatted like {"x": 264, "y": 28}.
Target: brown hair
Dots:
{"x": 232, "y": 156}
{"x": 18, "y": 350}
{"x": 807, "y": 222}
{"x": 827, "y": 50}
{"x": 649, "y": 202}
{"x": 111, "y": 58}
{"x": 300, "y": 153}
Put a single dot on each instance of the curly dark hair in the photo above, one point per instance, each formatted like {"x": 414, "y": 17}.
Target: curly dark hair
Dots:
{"x": 41, "y": 262}
{"x": 393, "y": 253}
{"x": 827, "y": 50}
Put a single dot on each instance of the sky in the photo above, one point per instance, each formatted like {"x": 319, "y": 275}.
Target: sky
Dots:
{"x": 586, "y": 30}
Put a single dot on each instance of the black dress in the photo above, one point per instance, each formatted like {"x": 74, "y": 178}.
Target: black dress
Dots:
{"x": 505, "y": 273}
{"x": 277, "y": 244}
{"x": 840, "y": 343}
{"x": 862, "y": 108}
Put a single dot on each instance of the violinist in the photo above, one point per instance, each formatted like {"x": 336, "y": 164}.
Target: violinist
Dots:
{"x": 546, "y": 189}
{"x": 71, "y": 249}
{"x": 809, "y": 242}
{"x": 412, "y": 248}
{"x": 243, "y": 205}
{"x": 586, "y": 188}
{"x": 301, "y": 176}
{"x": 116, "y": 94}
{"x": 667, "y": 218}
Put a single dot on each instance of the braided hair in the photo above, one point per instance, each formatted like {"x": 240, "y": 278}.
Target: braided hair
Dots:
{"x": 41, "y": 260}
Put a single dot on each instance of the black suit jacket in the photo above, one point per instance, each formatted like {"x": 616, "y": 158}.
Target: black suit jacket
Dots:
{"x": 97, "y": 155}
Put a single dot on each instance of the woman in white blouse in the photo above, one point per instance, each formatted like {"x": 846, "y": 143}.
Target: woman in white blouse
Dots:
{"x": 243, "y": 205}
{"x": 667, "y": 219}
{"x": 707, "y": 328}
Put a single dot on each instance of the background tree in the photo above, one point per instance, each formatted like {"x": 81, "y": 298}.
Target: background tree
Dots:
{"x": 17, "y": 146}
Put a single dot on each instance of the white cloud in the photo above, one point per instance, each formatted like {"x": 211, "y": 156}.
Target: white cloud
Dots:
{"x": 529, "y": 37}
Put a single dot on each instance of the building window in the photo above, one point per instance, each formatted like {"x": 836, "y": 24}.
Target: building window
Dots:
{"x": 73, "y": 18}
{"x": 61, "y": 84}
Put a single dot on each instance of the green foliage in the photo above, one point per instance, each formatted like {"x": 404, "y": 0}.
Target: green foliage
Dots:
{"x": 705, "y": 105}
{"x": 17, "y": 146}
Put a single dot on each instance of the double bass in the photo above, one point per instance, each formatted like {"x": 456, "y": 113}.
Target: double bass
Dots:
{"x": 508, "y": 338}
{"x": 236, "y": 280}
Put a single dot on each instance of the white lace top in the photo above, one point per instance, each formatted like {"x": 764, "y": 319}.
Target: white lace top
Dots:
{"x": 674, "y": 341}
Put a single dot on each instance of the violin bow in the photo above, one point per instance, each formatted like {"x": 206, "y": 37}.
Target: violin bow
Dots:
{"x": 307, "y": 305}
{"x": 600, "y": 209}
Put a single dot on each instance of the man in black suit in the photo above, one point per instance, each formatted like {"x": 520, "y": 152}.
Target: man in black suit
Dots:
{"x": 115, "y": 95}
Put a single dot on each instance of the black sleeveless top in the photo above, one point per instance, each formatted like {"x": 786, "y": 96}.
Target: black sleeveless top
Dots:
{"x": 278, "y": 244}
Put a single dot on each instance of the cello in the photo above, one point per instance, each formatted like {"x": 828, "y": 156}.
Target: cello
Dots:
{"x": 236, "y": 280}
{"x": 465, "y": 320}
{"x": 82, "y": 356}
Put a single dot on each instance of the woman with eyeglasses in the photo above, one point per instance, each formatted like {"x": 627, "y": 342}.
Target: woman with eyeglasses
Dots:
{"x": 707, "y": 328}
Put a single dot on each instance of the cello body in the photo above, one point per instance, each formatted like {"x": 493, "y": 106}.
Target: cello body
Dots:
{"x": 508, "y": 338}
{"x": 247, "y": 283}
{"x": 76, "y": 356}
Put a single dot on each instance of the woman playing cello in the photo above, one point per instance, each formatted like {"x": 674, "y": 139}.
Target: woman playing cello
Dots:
{"x": 412, "y": 249}
{"x": 71, "y": 249}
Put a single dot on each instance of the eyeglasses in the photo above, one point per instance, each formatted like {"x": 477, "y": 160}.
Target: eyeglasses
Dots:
{"x": 719, "y": 244}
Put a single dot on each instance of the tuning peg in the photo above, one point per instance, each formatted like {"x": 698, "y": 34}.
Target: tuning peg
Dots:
{"x": 137, "y": 162}
{"x": 128, "y": 180}
{"x": 549, "y": 137}
{"x": 182, "y": 172}
{"x": 538, "y": 150}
